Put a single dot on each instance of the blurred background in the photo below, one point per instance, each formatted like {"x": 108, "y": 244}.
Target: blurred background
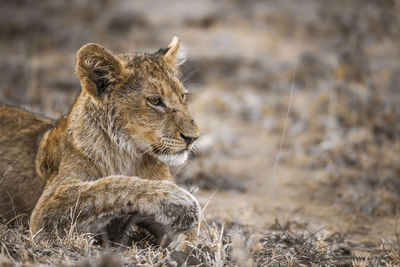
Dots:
{"x": 340, "y": 163}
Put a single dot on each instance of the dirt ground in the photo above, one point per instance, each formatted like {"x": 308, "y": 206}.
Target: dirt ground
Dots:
{"x": 338, "y": 172}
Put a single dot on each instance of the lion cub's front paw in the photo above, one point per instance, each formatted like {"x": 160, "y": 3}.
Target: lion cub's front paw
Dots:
{"x": 179, "y": 209}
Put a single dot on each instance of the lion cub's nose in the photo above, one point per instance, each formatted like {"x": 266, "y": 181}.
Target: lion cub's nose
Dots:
{"x": 189, "y": 139}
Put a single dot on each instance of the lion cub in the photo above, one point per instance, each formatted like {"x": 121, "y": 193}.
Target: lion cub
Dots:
{"x": 104, "y": 166}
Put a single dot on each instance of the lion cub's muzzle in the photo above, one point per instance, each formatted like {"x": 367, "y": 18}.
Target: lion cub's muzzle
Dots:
{"x": 174, "y": 149}
{"x": 189, "y": 140}
{"x": 190, "y": 132}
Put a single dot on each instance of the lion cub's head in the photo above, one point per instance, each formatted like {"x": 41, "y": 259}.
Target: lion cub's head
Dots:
{"x": 139, "y": 100}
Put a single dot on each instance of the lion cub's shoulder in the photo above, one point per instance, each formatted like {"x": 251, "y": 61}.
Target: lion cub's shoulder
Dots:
{"x": 20, "y": 135}
{"x": 13, "y": 120}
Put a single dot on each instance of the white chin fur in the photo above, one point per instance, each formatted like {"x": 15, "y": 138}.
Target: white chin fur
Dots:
{"x": 174, "y": 159}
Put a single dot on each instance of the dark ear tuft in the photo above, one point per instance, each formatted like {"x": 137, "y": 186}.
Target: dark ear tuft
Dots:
{"x": 98, "y": 69}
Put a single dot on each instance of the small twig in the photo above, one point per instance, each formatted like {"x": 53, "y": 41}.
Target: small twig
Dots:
{"x": 8, "y": 253}
{"x": 9, "y": 221}
{"x": 9, "y": 169}
{"x": 282, "y": 230}
{"x": 219, "y": 246}
{"x": 278, "y": 155}
{"x": 12, "y": 203}
{"x": 313, "y": 234}
{"x": 204, "y": 208}
{"x": 397, "y": 235}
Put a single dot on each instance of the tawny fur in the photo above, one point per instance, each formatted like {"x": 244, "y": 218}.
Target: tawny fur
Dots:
{"x": 108, "y": 157}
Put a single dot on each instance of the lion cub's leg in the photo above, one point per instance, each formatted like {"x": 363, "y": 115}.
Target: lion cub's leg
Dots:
{"x": 96, "y": 203}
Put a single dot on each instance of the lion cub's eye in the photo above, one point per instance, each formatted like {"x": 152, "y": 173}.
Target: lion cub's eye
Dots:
{"x": 155, "y": 100}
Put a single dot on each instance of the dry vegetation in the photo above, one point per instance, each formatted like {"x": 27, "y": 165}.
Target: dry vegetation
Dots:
{"x": 218, "y": 244}
{"x": 343, "y": 133}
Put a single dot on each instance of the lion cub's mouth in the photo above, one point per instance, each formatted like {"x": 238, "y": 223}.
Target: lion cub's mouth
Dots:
{"x": 171, "y": 159}
{"x": 175, "y": 159}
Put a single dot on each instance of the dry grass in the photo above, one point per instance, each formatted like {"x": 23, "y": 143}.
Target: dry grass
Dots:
{"x": 218, "y": 244}
{"x": 356, "y": 144}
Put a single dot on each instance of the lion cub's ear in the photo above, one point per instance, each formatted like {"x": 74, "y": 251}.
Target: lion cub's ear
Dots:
{"x": 98, "y": 69}
{"x": 174, "y": 53}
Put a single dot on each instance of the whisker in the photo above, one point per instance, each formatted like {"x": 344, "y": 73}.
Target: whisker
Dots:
{"x": 146, "y": 149}
{"x": 164, "y": 148}
{"x": 190, "y": 75}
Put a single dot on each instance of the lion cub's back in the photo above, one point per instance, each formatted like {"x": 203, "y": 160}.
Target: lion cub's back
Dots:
{"x": 20, "y": 134}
